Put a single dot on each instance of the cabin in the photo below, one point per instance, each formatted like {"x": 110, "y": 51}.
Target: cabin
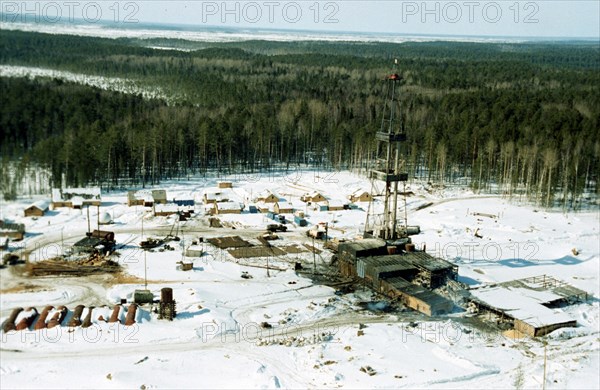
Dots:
{"x": 267, "y": 197}
{"x": 164, "y": 210}
{"x": 313, "y": 197}
{"x": 218, "y": 195}
{"x": 360, "y": 196}
{"x": 37, "y": 209}
{"x": 14, "y": 231}
{"x": 147, "y": 198}
{"x": 228, "y": 208}
{"x": 263, "y": 207}
{"x": 336, "y": 205}
{"x": 283, "y": 208}
{"x": 224, "y": 184}
{"x": 76, "y": 198}
{"x": 210, "y": 209}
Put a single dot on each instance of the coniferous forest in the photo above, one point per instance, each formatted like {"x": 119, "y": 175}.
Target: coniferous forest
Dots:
{"x": 519, "y": 118}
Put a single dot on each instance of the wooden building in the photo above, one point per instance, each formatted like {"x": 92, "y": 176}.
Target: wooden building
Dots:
{"x": 313, "y": 197}
{"x": 360, "y": 196}
{"x": 228, "y": 208}
{"x": 14, "y": 231}
{"x": 37, "y": 209}
{"x": 336, "y": 205}
{"x": 218, "y": 195}
{"x": 267, "y": 197}
{"x": 164, "y": 210}
{"x": 283, "y": 208}
{"x": 225, "y": 184}
{"x": 146, "y": 198}
{"x": 76, "y": 198}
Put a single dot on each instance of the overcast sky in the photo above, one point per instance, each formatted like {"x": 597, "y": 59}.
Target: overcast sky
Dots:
{"x": 542, "y": 18}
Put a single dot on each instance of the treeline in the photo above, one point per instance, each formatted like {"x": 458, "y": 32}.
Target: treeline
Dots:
{"x": 519, "y": 119}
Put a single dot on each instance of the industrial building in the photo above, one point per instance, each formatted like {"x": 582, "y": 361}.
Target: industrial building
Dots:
{"x": 531, "y": 305}
{"x": 406, "y": 276}
{"x": 98, "y": 241}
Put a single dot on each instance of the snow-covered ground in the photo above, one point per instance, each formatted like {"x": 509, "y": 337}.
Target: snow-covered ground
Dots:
{"x": 106, "y": 83}
{"x": 318, "y": 338}
{"x": 111, "y": 30}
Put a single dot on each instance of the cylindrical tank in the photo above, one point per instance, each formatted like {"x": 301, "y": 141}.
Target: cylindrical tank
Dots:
{"x": 87, "y": 321}
{"x": 76, "y": 319}
{"x": 27, "y": 319}
{"x": 58, "y": 317}
{"x": 166, "y": 294}
{"x": 41, "y": 321}
{"x": 114, "y": 317}
{"x": 9, "y": 324}
{"x": 130, "y": 319}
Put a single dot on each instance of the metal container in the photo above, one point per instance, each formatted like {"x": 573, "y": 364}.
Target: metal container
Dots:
{"x": 166, "y": 294}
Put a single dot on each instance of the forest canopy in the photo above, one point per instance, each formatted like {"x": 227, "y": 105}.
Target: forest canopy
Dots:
{"x": 523, "y": 118}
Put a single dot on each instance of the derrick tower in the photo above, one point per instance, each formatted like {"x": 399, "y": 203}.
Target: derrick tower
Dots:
{"x": 388, "y": 169}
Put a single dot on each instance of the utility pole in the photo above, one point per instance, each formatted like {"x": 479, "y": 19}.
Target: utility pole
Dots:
{"x": 88, "y": 217}
{"x": 145, "y": 273}
{"x": 314, "y": 256}
{"x": 545, "y": 360}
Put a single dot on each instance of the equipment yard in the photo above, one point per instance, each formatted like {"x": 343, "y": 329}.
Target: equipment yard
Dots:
{"x": 287, "y": 311}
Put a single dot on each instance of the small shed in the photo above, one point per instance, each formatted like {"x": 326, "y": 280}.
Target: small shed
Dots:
{"x": 267, "y": 197}
{"x": 14, "y": 231}
{"x": 263, "y": 207}
{"x": 76, "y": 197}
{"x": 159, "y": 196}
{"x": 215, "y": 195}
{"x": 336, "y": 205}
{"x": 229, "y": 208}
{"x": 194, "y": 251}
{"x": 314, "y": 196}
{"x": 164, "y": 210}
{"x": 225, "y": 184}
{"x": 360, "y": 196}
{"x": 322, "y": 206}
{"x": 283, "y": 208}
{"x": 146, "y": 198}
{"x": 37, "y": 209}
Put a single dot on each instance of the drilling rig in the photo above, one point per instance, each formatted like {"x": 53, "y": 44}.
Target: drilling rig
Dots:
{"x": 388, "y": 169}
